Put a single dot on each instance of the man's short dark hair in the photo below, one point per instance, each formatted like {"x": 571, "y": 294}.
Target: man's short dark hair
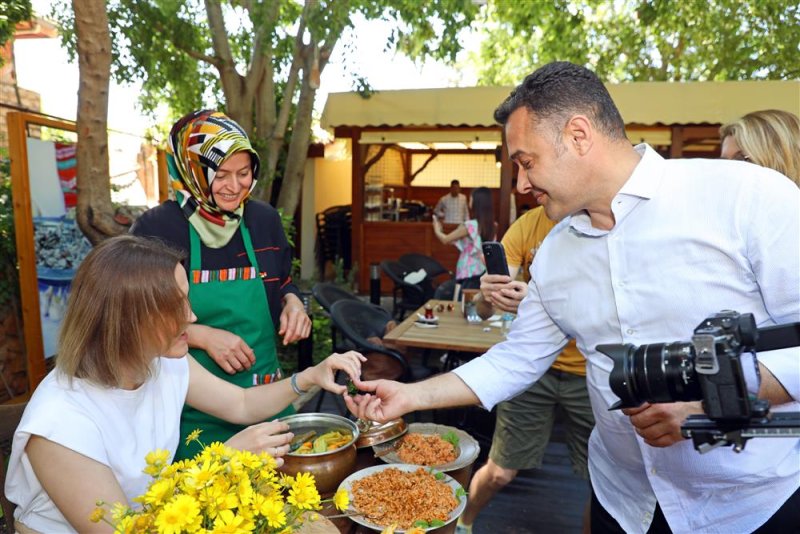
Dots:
{"x": 454, "y": 182}
{"x": 561, "y": 89}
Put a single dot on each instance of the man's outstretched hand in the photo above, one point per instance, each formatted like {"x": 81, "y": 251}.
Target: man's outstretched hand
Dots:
{"x": 379, "y": 400}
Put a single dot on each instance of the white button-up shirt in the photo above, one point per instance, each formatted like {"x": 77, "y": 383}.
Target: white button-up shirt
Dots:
{"x": 692, "y": 238}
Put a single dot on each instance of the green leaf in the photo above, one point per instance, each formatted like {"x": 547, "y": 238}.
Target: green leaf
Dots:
{"x": 421, "y": 524}
{"x": 461, "y": 492}
{"x": 437, "y": 523}
{"x": 451, "y": 437}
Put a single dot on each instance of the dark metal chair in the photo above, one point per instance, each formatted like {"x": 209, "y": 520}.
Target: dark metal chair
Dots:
{"x": 405, "y": 296}
{"x": 326, "y": 294}
{"x": 417, "y": 261}
{"x": 363, "y": 325}
{"x": 434, "y": 269}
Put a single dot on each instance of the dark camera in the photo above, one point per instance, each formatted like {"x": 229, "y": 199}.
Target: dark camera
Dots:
{"x": 708, "y": 368}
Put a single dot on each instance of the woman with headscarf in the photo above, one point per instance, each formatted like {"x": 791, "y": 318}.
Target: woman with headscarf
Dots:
{"x": 238, "y": 261}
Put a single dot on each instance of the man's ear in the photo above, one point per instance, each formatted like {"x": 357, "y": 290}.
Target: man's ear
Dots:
{"x": 579, "y": 133}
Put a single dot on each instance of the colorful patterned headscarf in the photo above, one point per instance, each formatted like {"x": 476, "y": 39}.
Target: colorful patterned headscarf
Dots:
{"x": 198, "y": 144}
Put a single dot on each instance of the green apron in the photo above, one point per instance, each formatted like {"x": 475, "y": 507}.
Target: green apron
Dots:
{"x": 229, "y": 299}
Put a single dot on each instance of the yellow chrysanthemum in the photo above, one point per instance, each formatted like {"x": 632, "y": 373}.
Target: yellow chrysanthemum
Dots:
{"x": 304, "y": 497}
{"x": 169, "y": 520}
{"x": 303, "y": 480}
{"x": 118, "y": 511}
{"x": 200, "y": 476}
{"x": 272, "y": 509}
{"x": 227, "y": 522}
{"x": 159, "y": 492}
{"x": 341, "y": 500}
{"x": 124, "y": 526}
{"x": 156, "y": 460}
{"x": 189, "y": 509}
{"x": 245, "y": 491}
{"x": 193, "y": 435}
{"x": 97, "y": 515}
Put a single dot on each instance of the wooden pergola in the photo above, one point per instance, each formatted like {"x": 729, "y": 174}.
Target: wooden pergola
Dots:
{"x": 678, "y": 119}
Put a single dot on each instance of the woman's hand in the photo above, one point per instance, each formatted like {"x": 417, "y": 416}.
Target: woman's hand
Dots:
{"x": 323, "y": 373}
{"x": 272, "y": 437}
{"x": 294, "y": 321}
{"x": 228, "y": 350}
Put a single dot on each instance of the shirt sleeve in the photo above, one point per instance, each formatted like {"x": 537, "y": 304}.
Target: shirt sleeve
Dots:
{"x": 512, "y": 366}
{"x": 78, "y": 432}
{"x": 772, "y": 227}
{"x": 512, "y": 243}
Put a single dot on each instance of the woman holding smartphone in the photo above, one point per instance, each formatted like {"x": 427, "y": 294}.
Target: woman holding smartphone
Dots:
{"x": 469, "y": 236}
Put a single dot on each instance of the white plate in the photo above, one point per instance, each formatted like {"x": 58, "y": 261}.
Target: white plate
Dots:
{"x": 347, "y": 484}
{"x": 468, "y": 447}
{"x": 424, "y": 320}
{"x": 425, "y": 325}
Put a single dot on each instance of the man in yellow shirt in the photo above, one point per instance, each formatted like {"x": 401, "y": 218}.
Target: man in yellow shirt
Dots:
{"x": 524, "y": 422}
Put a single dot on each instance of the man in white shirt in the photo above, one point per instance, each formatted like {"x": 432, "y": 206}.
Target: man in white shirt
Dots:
{"x": 452, "y": 208}
{"x": 645, "y": 250}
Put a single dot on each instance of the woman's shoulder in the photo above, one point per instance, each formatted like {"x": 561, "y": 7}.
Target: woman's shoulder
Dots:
{"x": 159, "y": 220}
{"x": 258, "y": 210}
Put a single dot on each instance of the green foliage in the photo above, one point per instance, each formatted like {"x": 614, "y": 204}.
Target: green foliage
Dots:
{"x": 642, "y": 40}
{"x": 9, "y": 276}
{"x": 12, "y": 12}
{"x": 167, "y": 44}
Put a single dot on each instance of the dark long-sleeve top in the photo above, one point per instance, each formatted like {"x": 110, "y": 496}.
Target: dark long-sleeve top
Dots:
{"x": 273, "y": 253}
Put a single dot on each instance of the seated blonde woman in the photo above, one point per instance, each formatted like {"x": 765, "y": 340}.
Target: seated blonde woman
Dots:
{"x": 122, "y": 377}
{"x": 770, "y": 138}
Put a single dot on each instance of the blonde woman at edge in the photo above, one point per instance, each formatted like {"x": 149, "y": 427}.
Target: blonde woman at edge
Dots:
{"x": 770, "y": 138}
{"x": 121, "y": 379}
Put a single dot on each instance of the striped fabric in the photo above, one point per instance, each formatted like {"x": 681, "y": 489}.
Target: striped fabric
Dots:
{"x": 224, "y": 275}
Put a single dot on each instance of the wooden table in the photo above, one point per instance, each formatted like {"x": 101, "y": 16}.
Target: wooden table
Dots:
{"x": 452, "y": 333}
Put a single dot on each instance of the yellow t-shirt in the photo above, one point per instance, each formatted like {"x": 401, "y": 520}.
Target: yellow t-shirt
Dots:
{"x": 521, "y": 242}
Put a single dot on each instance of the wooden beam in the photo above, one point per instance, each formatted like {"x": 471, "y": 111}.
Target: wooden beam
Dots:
{"x": 18, "y": 123}
{"x": 357, "y": 209}
{"x": 676, "y": 149}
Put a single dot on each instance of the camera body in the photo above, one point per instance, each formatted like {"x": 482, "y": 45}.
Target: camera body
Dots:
{"x": 708, "y": 368}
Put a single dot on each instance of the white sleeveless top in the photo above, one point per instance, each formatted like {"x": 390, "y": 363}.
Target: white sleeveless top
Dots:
{"x": 115, "y": 427}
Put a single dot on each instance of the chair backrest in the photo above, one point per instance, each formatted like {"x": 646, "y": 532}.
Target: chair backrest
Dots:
{"x": 395, "y": 271}
{"x": 358, "y": 321}
{"x": 415, "y": 261}
{"x": 327, "y": 294}
{"x": 10, "y": 415}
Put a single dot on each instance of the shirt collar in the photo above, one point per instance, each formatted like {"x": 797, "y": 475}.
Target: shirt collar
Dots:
{"x": 641, "y": 185}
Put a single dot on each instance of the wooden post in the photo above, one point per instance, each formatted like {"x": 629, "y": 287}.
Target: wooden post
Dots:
{"x": 676, "y": 148}
{"x": 357, "y": 209}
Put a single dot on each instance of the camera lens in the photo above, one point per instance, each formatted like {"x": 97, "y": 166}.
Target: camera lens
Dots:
{"x": 661, "y": 372}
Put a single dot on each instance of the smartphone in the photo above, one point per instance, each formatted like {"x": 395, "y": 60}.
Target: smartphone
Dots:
{"x": 495, "y": 257}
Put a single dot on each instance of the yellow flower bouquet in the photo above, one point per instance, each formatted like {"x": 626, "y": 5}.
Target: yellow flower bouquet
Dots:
{"x": 220, "y": 490}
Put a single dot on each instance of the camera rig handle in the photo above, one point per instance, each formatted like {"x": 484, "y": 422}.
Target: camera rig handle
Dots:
{"x": 707, "y": 434}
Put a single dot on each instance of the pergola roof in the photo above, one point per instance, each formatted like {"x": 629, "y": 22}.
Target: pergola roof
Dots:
{"x": 643, "y": 103}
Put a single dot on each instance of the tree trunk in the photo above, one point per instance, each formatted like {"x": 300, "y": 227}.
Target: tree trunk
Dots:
{"x": 95, "y": 213}
{"x": 292, "y": 183}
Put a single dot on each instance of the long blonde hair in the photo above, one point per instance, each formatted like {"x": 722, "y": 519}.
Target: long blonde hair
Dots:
{"x": 770, "y": 138}
{"x": 124, "y": 308}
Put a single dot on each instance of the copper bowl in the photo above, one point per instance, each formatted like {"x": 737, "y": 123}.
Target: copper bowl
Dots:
{"x": 331, "y": 467}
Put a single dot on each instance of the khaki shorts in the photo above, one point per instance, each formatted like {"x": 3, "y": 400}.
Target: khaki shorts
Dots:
{"x": 524, "y": 423}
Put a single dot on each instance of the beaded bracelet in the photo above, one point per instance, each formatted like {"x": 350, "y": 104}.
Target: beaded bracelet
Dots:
{"x": 295, "y": 387}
